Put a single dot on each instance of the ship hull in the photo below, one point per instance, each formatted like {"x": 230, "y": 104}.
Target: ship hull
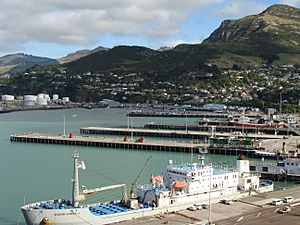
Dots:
{"x": 79, "y": 216}
{"x": 83, "y": 216}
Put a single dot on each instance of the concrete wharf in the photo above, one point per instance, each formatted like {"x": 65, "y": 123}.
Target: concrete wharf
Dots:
{"x": 187, "y": 114}
{"x": 172, "y": 133}
{"x": 164, "y": 114}
{"x": 105, "y": 142}
{"x": 250, "y": 210}
{"x": 229, "y": 129}
{"x": 91, "y": 141}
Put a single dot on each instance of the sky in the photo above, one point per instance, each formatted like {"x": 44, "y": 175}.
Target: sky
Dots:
{"x": 55, "y": 28}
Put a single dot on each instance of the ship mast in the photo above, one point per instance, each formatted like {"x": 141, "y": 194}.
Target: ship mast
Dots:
{"x": 76, "y": 197}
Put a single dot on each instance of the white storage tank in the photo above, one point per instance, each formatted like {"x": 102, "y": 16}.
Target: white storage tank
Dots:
{"x": 29, "y": 103}
{"x": 66, "y": 99}
{"x": 41, "y": 95}
{"x": 41, "y": 101}
{"x": 46, "y": 96}
{"x": 55, "y": 97}
{"x": 7, "y": 98}
{"x": 28, "y": 98}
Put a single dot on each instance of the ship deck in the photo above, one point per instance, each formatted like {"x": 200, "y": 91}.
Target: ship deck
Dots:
{"x": 105, "y": 209}
{"x": 97, "y": 209}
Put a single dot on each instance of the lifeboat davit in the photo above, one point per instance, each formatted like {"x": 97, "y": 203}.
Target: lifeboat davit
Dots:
{"x": 155, "y": 179}
{"x": 180, "y": 185}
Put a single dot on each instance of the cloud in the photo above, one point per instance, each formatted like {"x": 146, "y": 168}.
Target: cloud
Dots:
{"x": 290, "y": 2}
{"x": 240, "y": 8}
{"x": 83, "y": 22}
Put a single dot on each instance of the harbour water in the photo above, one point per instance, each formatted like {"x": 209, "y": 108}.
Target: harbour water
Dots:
{"x": 34, "y": 172}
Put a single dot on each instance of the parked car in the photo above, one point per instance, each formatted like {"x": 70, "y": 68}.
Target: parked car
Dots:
{"x": 288, "y": 199}
{"x": 204, "y": 206}
{"x": 277, "y": 202}
{"x": 285, "y": 209}
{"x": 192, "y": 208}
{"x": 226, "y": 202}
{"x": 198, "y": 206}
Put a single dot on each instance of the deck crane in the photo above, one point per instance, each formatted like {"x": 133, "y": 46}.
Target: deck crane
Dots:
{"x": 133, "y": 185}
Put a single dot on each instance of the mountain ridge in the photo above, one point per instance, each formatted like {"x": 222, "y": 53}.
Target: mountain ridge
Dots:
{"x": 79, "y": 54}
{"x": 19, "y": 62}
{"x": 272, "y": 36}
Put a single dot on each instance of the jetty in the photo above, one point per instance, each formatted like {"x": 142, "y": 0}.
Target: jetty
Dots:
{"x": 224, "y": 128}
{"x": 188, "y": 113}
{"x": 132, "y": 144}
{"x": 173, "y": 133}
{"x": 105, "y": 142}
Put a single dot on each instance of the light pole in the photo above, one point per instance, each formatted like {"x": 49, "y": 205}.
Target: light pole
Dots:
{"x": 186, "y": 129}
{"x": 131, "y": 125}
{"x": 64, "y": 125}
{"x": 209, "y": 198}
{"x": 127, "y": 122}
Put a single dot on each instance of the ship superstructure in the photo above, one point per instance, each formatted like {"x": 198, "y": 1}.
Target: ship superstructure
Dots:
{"x": 178, "y": 187}
{"x": 189, "y": 182}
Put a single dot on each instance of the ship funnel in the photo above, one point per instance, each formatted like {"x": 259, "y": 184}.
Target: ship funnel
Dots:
{"x": 242, "y": 166}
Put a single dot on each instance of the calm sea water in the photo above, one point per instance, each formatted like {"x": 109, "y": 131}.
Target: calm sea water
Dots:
{"x": 34, "y": 172}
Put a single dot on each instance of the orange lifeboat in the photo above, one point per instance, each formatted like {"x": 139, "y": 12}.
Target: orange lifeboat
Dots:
{"x": 155, "y": 179}
{"x": 179, "y": 184}
{"x": 71, "y": 135}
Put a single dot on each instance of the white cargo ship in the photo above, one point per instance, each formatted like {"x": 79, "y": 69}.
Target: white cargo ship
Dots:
{"x": 179, "y": 187}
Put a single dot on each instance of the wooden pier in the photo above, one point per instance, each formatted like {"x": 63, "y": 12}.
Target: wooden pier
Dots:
{"x": 187, "y": 113}
{"x": 172, "y": 133}
{"x": 223, "y": 128}
{"x": 140, "y": 144}
{"x": 105, "y": 142}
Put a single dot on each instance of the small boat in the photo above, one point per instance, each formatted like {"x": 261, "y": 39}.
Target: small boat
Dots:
{"x": 265, "y": 155}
